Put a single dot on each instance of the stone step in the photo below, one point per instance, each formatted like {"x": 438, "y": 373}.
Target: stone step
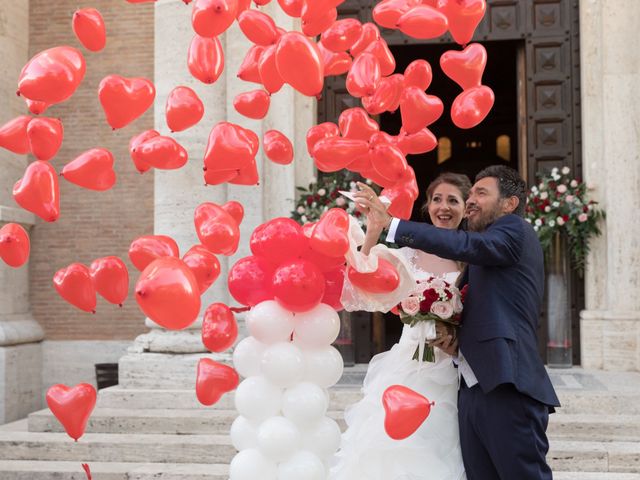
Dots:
{"x": 599, "y": 428}
{"x": 582, "y": 456}
{"x": 153, "y": 421}
{"x": 595, "y": 476}
{"x": 101, "y": 447}
{"x": 599, "y": 402}
{"x": 49, "y": 470}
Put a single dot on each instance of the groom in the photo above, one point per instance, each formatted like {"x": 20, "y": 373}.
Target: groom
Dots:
{"x": 505, "y": 395}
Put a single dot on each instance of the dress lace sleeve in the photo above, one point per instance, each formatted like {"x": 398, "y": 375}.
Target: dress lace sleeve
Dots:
{"x": 354, "y": 298}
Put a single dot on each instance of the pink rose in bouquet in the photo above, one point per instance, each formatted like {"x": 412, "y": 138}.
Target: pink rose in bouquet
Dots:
{"x": 444, "y": 310}
{"x": 410, "y": 305}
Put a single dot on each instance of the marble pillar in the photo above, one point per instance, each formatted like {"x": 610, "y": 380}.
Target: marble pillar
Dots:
{"x": 20, "y": 334}
{"x": 178, "y": 193}
{"x": 610, "y": 72}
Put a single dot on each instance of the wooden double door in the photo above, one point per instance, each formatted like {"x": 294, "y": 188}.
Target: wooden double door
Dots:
{"x": 533, "y": 68}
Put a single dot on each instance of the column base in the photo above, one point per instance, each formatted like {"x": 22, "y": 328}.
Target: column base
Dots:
{"x": 20, "y": 380}
{"x": 610, "y": 340}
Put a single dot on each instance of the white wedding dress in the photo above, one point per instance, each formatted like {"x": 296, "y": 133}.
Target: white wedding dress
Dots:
{"x": 367, "y": 452}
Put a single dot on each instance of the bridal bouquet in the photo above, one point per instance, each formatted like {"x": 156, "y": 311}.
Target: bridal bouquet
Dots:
{"x": 434, "y": 300}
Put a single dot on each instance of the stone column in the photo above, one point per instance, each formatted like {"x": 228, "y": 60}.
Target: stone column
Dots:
{"x": 178, "y": 193}
{"x": 610, "y": 325}
{"x": 20, "y": 334}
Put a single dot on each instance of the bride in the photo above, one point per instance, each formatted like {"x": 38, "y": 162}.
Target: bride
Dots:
{"x": 433, "y": 451}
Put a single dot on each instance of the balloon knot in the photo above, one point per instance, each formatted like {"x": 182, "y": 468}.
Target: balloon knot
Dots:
{"x": 433, "y": 404}
{"x": 120, "y": 305}
{"x": 93, "y": 312}
{"x": 18, "y": 92}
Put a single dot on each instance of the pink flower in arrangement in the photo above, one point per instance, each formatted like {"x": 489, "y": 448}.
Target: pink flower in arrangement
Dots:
{"x": 411, "y": 305}
{"x": 569, "y": 198}
{"x": 583, "y": 217}
{"x": 562, "y": 188}
{"x": 340, "y": 201}
{"x": 442, "y": 309}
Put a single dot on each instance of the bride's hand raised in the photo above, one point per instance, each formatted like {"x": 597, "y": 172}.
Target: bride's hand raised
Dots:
{"x": 368, "y": 203}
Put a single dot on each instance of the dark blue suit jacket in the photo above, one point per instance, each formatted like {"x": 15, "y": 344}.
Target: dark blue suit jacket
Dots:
{"x": 505, "y": 275}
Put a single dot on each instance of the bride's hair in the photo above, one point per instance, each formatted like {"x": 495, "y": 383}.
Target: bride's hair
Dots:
{"x": 458, "y": 180}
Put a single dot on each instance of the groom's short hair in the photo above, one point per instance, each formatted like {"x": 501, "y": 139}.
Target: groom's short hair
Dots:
{"x": 510, "y": 184}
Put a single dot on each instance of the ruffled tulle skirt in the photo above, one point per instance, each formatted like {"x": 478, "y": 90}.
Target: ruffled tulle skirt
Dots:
{"x": 432, "y": 452}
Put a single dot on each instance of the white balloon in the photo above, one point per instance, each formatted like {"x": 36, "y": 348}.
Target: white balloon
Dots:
{"x": 323, "y": 366}
{"x": 283, "y": 364}
{"x": 269, "y": 323}
{"x": 247, "y": 355}
{"x": 304, "y": 404}
{"x": 252, "y": 465}
{"x": 323, "y": 438}
{"x": 302, "y": 465}
{"x": 258, "y": 399}
{"x": 318, "y": 327}
{"x": 278, "y": 438}
{"x": 243, "y": 433}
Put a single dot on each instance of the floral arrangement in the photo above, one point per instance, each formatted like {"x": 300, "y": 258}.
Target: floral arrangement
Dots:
{"x": 559, "y": 204}
{"x": 324, "y": 193}
{"x": 434, "y": 300}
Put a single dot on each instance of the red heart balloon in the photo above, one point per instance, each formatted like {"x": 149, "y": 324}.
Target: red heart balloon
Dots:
{"x": 216, "y": 229}
{"x": 386, "y": 97}
{"x": 204, "y": 265}
{"x": 464, "y": 17}
{"x": 277, "y": 147}
{"x": 298, "y": 285}
{"x": 380, "y": 50}
{"x": 388, "y": 12}
{"x": 111, "y": 279}
{"x": 419, "y": 110}
{"x": 423, "y": 22}
{"x": 465, "y": 67}
{"x": 384, "y": 280}
{"x": 168, "y": 293}
{"x": 230, "y": 147}
{"x": 293, "y": 8}
{"x": 355, "y": 123}
{"x": 88, "y": 26}
{"x": 205, "y": 59}
{"x": 218, "y": 177}
{"x": 37, "y": 107}
{"x": 14, "y": 245}
{"x": 254, "y": 104}
{"x": 74, "y": 284}
{"x": 268, "y": 70}
{"x": 38, "y": 191}
{"x": 242, "y": 6}
{"x": 160, "y": 152}
{"x": 125, "y": 99}
{"x": 249, "y": 280}
{"x": 72, "y": 406}
{"x": 211, "y": 18}
{"x": 422, "y": 141}
{"x": 300, "y": 63}
{"x": 247, "y": 175}
{"x": 52, "y": 75}
{"x": 92, "y": 169}
{"x": 335, "y": 63}
{"x": 235, "y": 209}
{"x": 389, "y": 161}
{"x": 341, "y": 36}
{"x": 472, "y": 106}
{"x": 364, "y": 75}
{"x": 184, "y": 109}
{"x": 248, "y": 70}
{"x": 258, "y": 27}
{"x": 278, "y": 240}
{"x": 333, "y": 283}
{"x": 317, "y": 8}
{"x": 319, "y": 132}
{"x": 144, "y": 250}
{"x": 401, "y": 199}
{"x": 335, "y": 153}
{"x": 214, "y": 380}
{"x": 418, "y": 74}
{"x": 330, "y": 237}
{"x": 13, "y": 135}
{"x": 370, "y": 33}
{"x": 137, "y": 141}
{"x": 45, "y": 137}
{"x": 219, "y": 328}
{"x": 405, "y": 410}
{"x": 315, "y": 26}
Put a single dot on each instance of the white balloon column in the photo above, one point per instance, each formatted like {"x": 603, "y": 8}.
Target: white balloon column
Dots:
{"x": 283, "y": 432}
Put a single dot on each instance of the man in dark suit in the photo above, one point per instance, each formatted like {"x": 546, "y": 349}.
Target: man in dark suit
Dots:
{"x": 505, "y": 395}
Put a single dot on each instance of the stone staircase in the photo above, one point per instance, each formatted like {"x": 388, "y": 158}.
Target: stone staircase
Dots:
{"x": 164, "y": 434}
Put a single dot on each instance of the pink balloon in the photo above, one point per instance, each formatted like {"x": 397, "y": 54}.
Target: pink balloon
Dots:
{"x": 277, "y": 147}
{"x": 72, "y": 406}
{"x": 300, "y": 63}
{"x": 335, "y": 153}
{"x": 355, "y": 123}
{"x": 341, "y": 36}
{"x": 335, "y": 63}
{"x": 13, "y": 135}
{"x": 422, "y": 141}
{"x": 88, "y": 26}
{"x": 38, "y": 191}
{"x": 204, "y": 265}
{"x": 74, "y": 284}
{"x": 472, "y": 106}
{"x": 316, "y": 25}
{"x": 135, "y": 142}
{"x": 388, "y": 12}
{"x": 386, "y": 97}
{"x": 161, "y": 152}
{"x": 125, "y": 99}
{"x": 419, "y": 110}
{"x": 211, "y": 18}
{"x": 92, "y": 169}
{"x": 254, "y": 104}
{"x": 111, "y": 279}
{"x": 249, "y": 69}
{"x": 330, "y": 237}
{"x": 45, "y": 137}
{"x": 268, "y": 69}
{"x": 364, "y": 76}
{"x": 144, "y": 250}
{"x": 14, "y": 245}
{"x": 318, "y": 132}
{"x": 423, "y": 22}
{"x": 184, "y": 109}
{"x": 464, "y": 17}
{"x": 213, "y": 380}
{"x": 230, "y": 147}
{"x": 388, "y": 161}
{"x": 278, "y": 240}
{"x": 380, "y": 50}
{"x": 370, "y": 33}
{"x": 205, "y": 59}
{"x": 465, "y": 67}
{"x": 258, "y": 27}
{"x": 418, "y": 74}
{"x": 405, "y": 410}
{"x": 219, "y": 328}
{"x": 217, "y": 230}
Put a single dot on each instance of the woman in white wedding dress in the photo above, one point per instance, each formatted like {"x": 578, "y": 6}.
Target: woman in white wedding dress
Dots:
{"x": 433, "y": 451}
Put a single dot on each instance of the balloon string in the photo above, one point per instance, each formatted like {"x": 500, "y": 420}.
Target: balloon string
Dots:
{"x": 239, "y": 309}
{"x": 87, "y": 470}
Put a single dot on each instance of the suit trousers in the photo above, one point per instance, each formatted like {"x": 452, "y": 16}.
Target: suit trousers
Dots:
{"x": 503, "y": 434}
